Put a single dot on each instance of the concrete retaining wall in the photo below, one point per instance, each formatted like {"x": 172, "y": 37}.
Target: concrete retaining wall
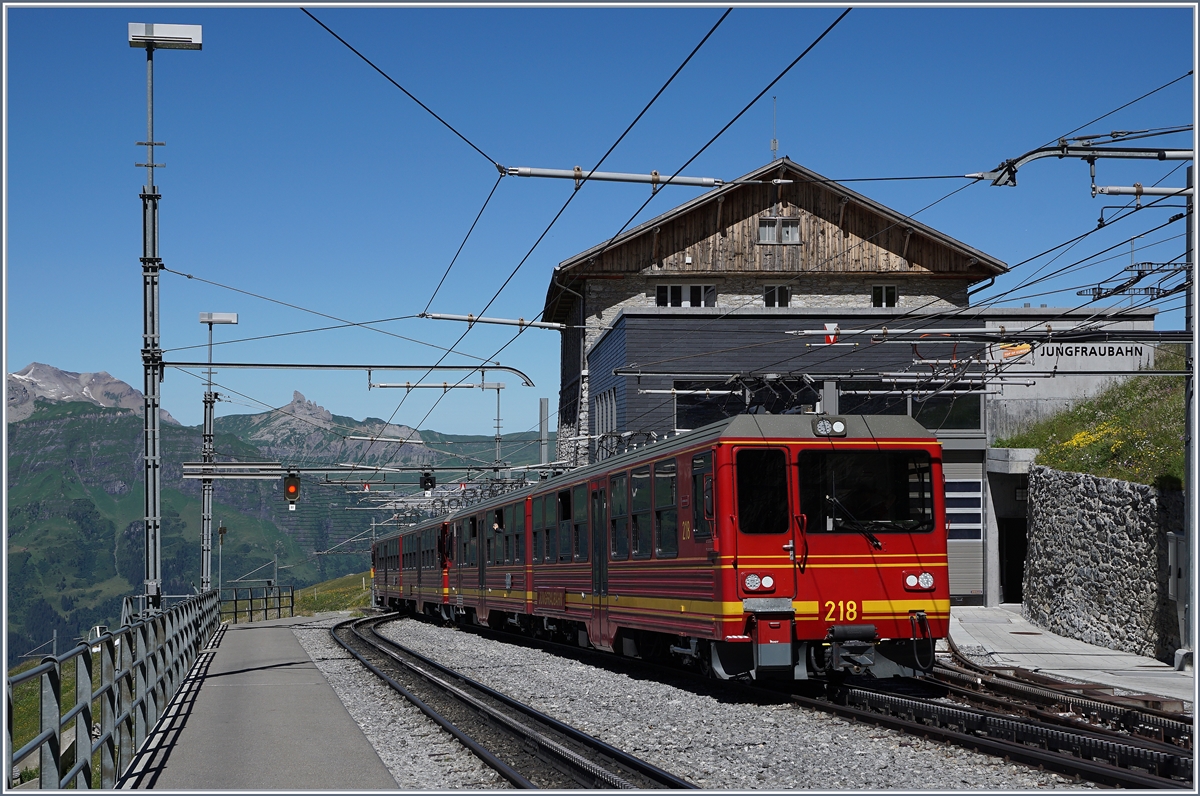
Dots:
{"x": 1096, "y": 568}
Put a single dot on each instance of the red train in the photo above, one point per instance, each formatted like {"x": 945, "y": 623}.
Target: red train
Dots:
{"x": 773, "y": 546}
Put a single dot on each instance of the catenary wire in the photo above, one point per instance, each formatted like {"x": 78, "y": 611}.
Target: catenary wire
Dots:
{"x": 454, "y": 259}
{"x": 388, "y": 77}
{"x": 325, "y": 315}
{"x": 572, "y": 196}
{"x": 722, "y": 131}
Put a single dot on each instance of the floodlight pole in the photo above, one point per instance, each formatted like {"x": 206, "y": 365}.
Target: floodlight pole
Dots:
{"x": 151, "y": 357}
{"x": 170, "y": 37}
{"x": 206, "y": 455}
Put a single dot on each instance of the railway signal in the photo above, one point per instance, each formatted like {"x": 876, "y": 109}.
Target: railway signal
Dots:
{"x": 428, "y": 481}
{"x": 291, "y": 490}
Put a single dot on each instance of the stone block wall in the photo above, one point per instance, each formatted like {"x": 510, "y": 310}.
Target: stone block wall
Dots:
{"x": 1096, "y": 568}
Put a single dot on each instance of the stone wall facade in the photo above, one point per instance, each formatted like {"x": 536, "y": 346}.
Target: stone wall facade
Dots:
{"x": 1096, "y": 568}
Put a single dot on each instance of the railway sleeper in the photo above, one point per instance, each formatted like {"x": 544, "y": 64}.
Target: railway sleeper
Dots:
{"x": 1082, "y": 746}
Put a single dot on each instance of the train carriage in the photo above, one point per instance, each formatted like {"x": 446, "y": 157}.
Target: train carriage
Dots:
{"x": 785, "y": 546}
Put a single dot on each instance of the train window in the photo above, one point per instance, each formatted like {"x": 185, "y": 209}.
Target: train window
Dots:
{"x": 564, "y": 525}
{"x": 489, "y": 538}
{"x": 866, "y": 492}
{"x": 639, "y": 500}
{"x": 518, "y": 528}
{"x": 473, "y": 543}
{"x": 762, "y": 490}
{"x": 579, "y": 500}
{"x": 666, "y": 518}
{"x": 551, "y": 528}
{"x": 620, "y": 517}
{"x": 536, "y": 530}
{"x": 507, "y": 526}
{"x": 703, "y": 511}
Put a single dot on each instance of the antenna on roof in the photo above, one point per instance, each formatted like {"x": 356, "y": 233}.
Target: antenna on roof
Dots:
{"x": 774, "y": 140}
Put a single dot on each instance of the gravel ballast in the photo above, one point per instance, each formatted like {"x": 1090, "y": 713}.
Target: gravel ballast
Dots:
{"x": 715, "y": 744}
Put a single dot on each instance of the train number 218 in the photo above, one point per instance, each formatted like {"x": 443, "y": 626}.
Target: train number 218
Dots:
{"x": 845, "y": 610}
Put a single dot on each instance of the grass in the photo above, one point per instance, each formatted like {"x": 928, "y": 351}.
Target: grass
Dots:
{"x": 347, "y": 593}
{"x": 1133, "y": 431}
{"x": 26, "y": 713}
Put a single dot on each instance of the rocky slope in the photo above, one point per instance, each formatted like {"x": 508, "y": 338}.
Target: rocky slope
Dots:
{"x": 303, "y": 433}
{"x": 47, "y": 382}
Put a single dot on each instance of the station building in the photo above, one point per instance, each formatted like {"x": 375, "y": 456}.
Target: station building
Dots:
{"x": 782, "y": 292}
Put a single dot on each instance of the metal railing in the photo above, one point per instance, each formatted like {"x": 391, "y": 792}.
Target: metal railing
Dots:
{"x": 141, "y": 667}
{"x": 257, "y": 603}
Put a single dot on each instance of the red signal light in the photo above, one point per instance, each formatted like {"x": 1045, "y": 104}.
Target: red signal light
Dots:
{"x": 291, "y": 488}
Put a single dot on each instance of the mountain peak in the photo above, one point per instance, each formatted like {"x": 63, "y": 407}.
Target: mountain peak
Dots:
{"x": 309, "y": 411}
{"x": 38, "y": 380}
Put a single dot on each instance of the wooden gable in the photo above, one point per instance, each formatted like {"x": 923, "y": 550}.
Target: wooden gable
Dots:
{"x": 717, "y": 233}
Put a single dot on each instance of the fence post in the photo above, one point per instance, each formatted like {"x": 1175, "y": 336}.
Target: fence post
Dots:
{"x": 163, "y": 664}
{"x": 126, "y": 694}
{"x": 8, "y": 737}
{"x": 108, "y": 712}
{"x": 83, "y": 719}
{"x": 140, "y": 695}
{"x": 51, "y": 710}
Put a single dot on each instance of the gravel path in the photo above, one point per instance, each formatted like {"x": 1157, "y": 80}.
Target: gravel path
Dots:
{"x": 714, "y": 744}
{"x": 418, "y": 753}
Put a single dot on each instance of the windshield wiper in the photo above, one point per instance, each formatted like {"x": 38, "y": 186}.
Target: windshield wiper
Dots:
{"x": 853, "y": 523}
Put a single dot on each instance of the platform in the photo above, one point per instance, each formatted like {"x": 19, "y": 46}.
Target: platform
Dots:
{"x": 255, "y": 713}
{"x": 1012, "y": 641}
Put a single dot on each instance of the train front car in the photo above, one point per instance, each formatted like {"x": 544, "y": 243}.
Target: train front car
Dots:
{"x": 839, "y": 554}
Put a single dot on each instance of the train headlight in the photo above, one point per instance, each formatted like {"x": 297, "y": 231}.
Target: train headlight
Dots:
{"x": 829, "y": 427}
{"x": 918, "y": 579}
{"x": 768, "y": 582}
{"x": 753, "y": 582}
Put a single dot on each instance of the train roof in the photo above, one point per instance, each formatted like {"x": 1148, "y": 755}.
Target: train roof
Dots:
{"x": 740, "y": 427}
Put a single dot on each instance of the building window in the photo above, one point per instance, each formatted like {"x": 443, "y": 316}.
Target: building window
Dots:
{"x": 779, "y": 230}
{"x": 698, "y": 403}
{"x": 949, "y": 410}
{"x": 686, "y": 296}
{"x": 883, "y": 295}
{"x": 964, "y": 509}
{"x": 777, "y": 295}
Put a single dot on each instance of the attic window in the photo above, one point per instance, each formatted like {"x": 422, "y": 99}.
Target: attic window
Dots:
{"x": 686, "y": 296}
{"x": 883, "y": 295}
{"x": 775, "y": 229}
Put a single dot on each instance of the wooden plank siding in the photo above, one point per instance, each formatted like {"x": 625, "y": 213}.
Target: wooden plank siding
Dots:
{"x": 840, "y": 232}
{"x": 863, "y": 242}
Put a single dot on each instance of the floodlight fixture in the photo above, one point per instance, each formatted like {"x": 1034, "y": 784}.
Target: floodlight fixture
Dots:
{"x": 164, "y": 37}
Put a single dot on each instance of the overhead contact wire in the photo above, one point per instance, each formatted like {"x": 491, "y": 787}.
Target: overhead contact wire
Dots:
{"x": 364, "y": 325}
{"x": 568, "y": 202}
{"x": 407, "y": 93}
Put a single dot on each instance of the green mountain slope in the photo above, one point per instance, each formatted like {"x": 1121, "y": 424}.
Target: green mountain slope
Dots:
{"x": 76, "y": 540}
{"x": 1133, "y": 431}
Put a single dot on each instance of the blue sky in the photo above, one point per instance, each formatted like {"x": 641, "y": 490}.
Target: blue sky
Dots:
{"x": 296, "y": 172}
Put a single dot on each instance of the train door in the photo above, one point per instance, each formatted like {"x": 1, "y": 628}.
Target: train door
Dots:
{"x": 599, "y": 536}
{"x": 445, "y": 554}
{"x": 485, "y": 536}
{"x": 766, "y": 526}
{"x": 460, "y": 543}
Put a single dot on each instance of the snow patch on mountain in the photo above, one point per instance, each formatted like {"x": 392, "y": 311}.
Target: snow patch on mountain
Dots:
{"x": 37, "y": 380}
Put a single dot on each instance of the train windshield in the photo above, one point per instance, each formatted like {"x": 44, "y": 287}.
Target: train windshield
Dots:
{"x": 866, "y": 492}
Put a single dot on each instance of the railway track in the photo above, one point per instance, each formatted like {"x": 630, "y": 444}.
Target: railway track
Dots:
{"x": 1013, "y": 730}
{"x": 1070, "y": 703}
{"x": 526, "y": 747}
